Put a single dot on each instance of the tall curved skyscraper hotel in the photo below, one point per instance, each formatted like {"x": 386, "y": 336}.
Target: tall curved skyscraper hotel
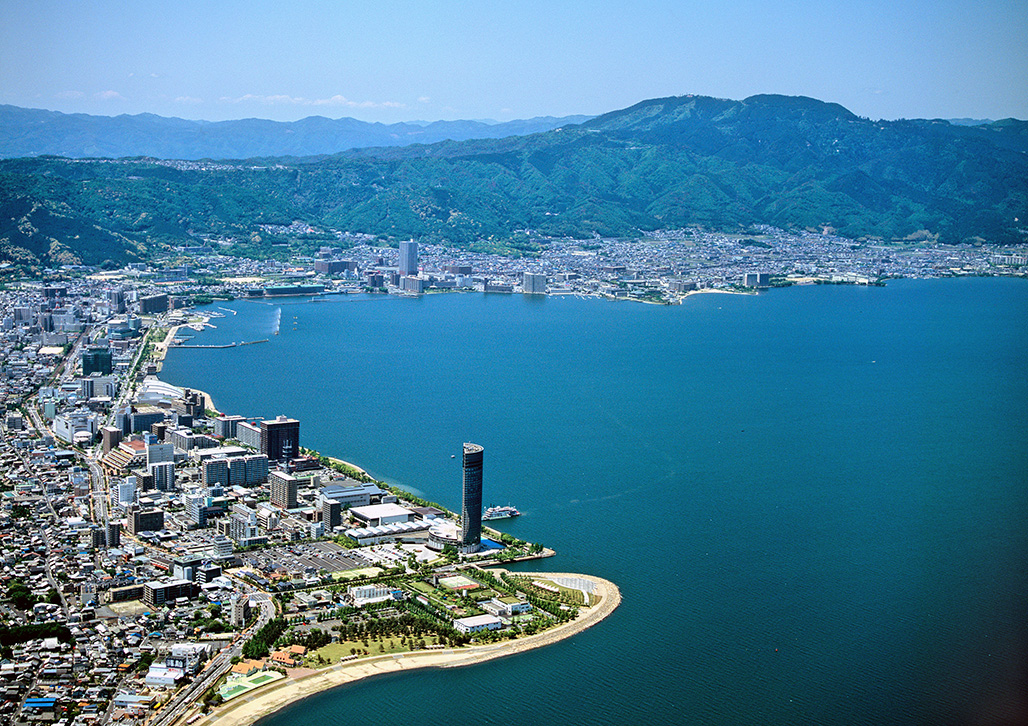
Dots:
{"x": 471, "y": 503}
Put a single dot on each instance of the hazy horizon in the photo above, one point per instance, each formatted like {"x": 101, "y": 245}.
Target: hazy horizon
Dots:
{"x": 390, "y": 62}
{"x": 427, "y": 121}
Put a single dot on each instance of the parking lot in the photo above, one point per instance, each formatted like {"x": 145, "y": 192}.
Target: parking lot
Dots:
{"x": 309, "y": 557}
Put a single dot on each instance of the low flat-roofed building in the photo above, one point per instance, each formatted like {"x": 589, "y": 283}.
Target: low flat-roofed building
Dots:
{"x": 505, "y": 607}
{"x": 365, "y": 594}
{"x": 378, "y": 514}
{"x": 351, "y": 493}
{"x": 428, "y": 512}
{"x": 396, "y": 532}
{"x": 159, "y": 592}
{"x": 477, "y": 623}
{"x": 134, "y": 700}
{"x": 162, "y": 675}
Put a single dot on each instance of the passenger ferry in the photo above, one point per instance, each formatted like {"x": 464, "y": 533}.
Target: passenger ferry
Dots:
{"x": 500, "y": 513}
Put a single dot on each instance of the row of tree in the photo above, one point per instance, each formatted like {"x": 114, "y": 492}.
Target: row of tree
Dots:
{"x": 260, "y": 644}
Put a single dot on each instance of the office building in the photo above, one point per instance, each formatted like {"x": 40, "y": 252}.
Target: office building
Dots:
{"x": 284, "y": 489}
{"x": 408, "y": 258}
{"x": 145, "y": 521}
{"x": 142, "y": 419}
{"x": 97, "y": 386}
{"x": 331, "y": 514}
{"x": 534, "y": 283}
{"x": 222, "y": 548}
{"x": 280, "y": 439}
{"x": 207, "y": 572}
{"x": 184, "y": 568}
{"x": 471, "y": 502}
{"x": 112, "y": 437}
{"x": 97, "y": 360}
{"x": 159, "y": 453}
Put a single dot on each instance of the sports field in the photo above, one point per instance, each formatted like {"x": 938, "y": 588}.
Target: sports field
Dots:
{"x": 238, "y": 685}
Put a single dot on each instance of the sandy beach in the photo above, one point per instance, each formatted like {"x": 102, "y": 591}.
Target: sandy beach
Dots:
{"x": 347, "y": 463}
{"x": 249, "y": 709}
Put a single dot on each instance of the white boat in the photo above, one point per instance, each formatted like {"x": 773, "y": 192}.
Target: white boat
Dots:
{"x": 500, "y": 513}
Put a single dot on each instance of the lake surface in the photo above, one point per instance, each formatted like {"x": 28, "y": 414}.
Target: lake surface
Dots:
{"x": 814, "y": 500}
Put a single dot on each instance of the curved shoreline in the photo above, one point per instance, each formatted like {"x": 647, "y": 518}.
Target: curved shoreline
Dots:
{"x": 248, "y": 710}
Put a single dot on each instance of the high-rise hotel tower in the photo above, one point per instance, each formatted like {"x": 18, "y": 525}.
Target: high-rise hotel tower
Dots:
{"x": 471, "y": 504}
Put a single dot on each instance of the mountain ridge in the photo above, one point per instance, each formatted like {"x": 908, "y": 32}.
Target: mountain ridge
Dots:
{"x": 39, "y": 132}
{"x": 791, "y": 162}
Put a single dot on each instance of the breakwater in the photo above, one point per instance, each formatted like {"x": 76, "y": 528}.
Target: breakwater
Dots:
{"x": 225, "y": 345}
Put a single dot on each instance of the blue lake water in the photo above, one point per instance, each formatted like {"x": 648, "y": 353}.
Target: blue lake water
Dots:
{"x": 814, "y": 500}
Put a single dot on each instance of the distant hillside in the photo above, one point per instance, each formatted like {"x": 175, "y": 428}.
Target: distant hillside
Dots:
{"x": 34, "y": 132}
{"x": 663, "y": 163}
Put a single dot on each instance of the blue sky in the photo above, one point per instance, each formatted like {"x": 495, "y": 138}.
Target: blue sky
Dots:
{"x": 393, "y": 61}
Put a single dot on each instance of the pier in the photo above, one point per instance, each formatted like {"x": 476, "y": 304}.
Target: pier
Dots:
{"x": 226, "y": 345}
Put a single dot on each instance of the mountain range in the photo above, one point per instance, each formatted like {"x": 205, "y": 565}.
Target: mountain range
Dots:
{"x": 35, "y": 132}
{"x": 792, "y": 162}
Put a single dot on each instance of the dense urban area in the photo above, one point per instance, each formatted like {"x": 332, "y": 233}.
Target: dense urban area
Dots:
{"x": 160, "y": 557}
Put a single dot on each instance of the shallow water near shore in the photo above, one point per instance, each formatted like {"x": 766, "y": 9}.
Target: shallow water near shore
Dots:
{"x": 814, "y": 500}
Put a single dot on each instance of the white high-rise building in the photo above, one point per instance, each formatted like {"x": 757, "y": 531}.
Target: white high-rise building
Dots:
{"x": 408, "y": 258}
{"x": 127, "y": 491}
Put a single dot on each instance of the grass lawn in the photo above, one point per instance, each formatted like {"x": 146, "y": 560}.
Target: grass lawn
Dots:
{"x": 351, "y": 574}
{"x": 333, "y": 652}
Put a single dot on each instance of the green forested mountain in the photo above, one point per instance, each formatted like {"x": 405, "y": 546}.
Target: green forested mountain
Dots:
{"x": 664, "y": 163}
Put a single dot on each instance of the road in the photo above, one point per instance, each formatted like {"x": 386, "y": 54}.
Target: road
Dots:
{"x": 215, "y": 668}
